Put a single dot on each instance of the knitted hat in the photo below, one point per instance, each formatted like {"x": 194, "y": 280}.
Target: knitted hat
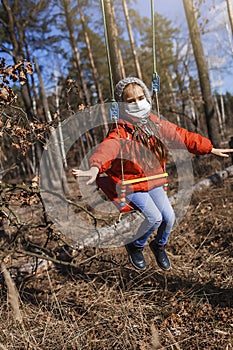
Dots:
{"x": 119, "y": 88}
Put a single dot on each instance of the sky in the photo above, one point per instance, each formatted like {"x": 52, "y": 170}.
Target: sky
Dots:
{"x": 169, "y": 8}
{"x": 215, "y": 42}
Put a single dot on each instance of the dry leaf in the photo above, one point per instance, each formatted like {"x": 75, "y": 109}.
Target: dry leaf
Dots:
{"x": 29, "y": 69}
{"x": 15, "y": 145}
{"x": 81, "y": 107}
{"x": 4, "y": 94}
{"x": 22, "y": 78}
{"x": 35, "y": 181}
{"x": 8, "y": 125}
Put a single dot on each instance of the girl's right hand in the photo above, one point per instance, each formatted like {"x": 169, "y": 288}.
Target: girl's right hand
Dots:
{"x": 92, "y": 173}
{"x": 222, "y": 152}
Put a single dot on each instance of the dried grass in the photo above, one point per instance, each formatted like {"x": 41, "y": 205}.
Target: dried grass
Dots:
{"x": 106, "y": 304}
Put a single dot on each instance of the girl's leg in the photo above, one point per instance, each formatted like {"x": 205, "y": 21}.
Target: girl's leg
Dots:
{"x": 161, "y": 200}
{"x": 153, "y": 217}
{"x": 157, "y": 245}
{"x": 158, "y": 213}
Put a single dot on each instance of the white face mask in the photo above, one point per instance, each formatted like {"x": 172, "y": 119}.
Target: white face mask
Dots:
{"x": 139, "y": 110}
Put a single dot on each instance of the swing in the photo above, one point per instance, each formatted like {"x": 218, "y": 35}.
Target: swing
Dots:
{"x": 105, "y": 183}
{"x": 109, "y": 187}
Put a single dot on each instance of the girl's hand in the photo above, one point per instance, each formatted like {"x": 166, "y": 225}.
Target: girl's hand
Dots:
{"x": 221, "y": 152}
{"x": 92, "y": 173}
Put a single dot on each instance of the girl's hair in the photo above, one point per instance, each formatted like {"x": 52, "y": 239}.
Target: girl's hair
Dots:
{"x": 148, "y": 135}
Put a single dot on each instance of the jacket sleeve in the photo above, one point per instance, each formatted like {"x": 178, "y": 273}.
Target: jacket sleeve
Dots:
{"x": 177, "y": 138}
{"x": 106, "y": 152}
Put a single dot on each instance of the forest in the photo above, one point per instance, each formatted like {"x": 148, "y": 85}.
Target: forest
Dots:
{"x": 66, "y": 281}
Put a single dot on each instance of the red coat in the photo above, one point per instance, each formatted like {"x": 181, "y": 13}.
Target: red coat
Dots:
{"x": 118, "y": 145}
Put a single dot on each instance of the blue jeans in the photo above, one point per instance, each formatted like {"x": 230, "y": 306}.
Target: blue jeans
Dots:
{"x": 158, "y": 212}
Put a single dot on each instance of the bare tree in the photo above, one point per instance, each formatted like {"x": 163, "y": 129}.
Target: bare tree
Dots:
{"x": 117, "y": 36}
{"x": 93, "y": 66}
{"x": 131, "y": 39}
{"x": 76, "y": 55}
{"x": 113, "y": 43}
{"x": 53, "y": 157}
{"x": 17, "y": 36}
{"x": 230, "y": 13}
{"x": 202, "y": 67}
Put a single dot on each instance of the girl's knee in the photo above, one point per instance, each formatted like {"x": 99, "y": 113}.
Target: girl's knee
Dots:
{"x": 172, "y": 218}
{"x": 155, "y": 221}
{"x": 170, "y": 221}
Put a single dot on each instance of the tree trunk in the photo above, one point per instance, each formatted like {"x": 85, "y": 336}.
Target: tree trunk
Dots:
{"x": 76, "y": 55}
{"x": 230, "y": 14}
{"x": 118, "y": 46}
{"x": 131, "y": 39}
{"x": 15, "y": 31}
{"x": 113, "y": 43}
{"x": 211, "y": 118}
{"x": 37, "y": 110}
{"x": 220, "y": 119}
{"x": 120, "y": 232}
{"x": 43, "y": 93}
{"x": 94, "y": 70}
{"x": 51, "y": 178}
{"x": 61, "y": 138}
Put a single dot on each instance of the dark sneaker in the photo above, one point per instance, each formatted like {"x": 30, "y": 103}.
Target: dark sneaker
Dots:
{"x": 136, "y": 256}
{"x": 160, "y": 255}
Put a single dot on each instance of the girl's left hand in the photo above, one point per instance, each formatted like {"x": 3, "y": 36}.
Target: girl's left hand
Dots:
{"x": 221, "y": 152}
{"x": 91, "y": 173}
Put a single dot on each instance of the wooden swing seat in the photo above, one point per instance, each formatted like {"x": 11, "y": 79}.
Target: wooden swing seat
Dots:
{"x": 108, "y": 186}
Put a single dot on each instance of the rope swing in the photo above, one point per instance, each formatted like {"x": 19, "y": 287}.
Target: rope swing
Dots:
{"x": 106, "y": 183}
{"x": 114, "y": 110}
{"x": 155, "y": 77}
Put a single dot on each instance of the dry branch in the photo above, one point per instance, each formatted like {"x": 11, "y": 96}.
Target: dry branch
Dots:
{"x": 13, "y": 296}
{"x": 214, "y": 179}
{"x": 106, "y": 235}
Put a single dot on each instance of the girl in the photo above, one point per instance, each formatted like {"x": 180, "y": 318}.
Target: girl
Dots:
{"x": 136, "y": 147}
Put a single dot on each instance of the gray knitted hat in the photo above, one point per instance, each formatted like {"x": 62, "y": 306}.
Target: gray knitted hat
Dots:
{"x": 119, "y": 88}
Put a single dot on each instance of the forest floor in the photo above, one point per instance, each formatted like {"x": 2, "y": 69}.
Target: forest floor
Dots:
{"x": 106, "y": 304}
